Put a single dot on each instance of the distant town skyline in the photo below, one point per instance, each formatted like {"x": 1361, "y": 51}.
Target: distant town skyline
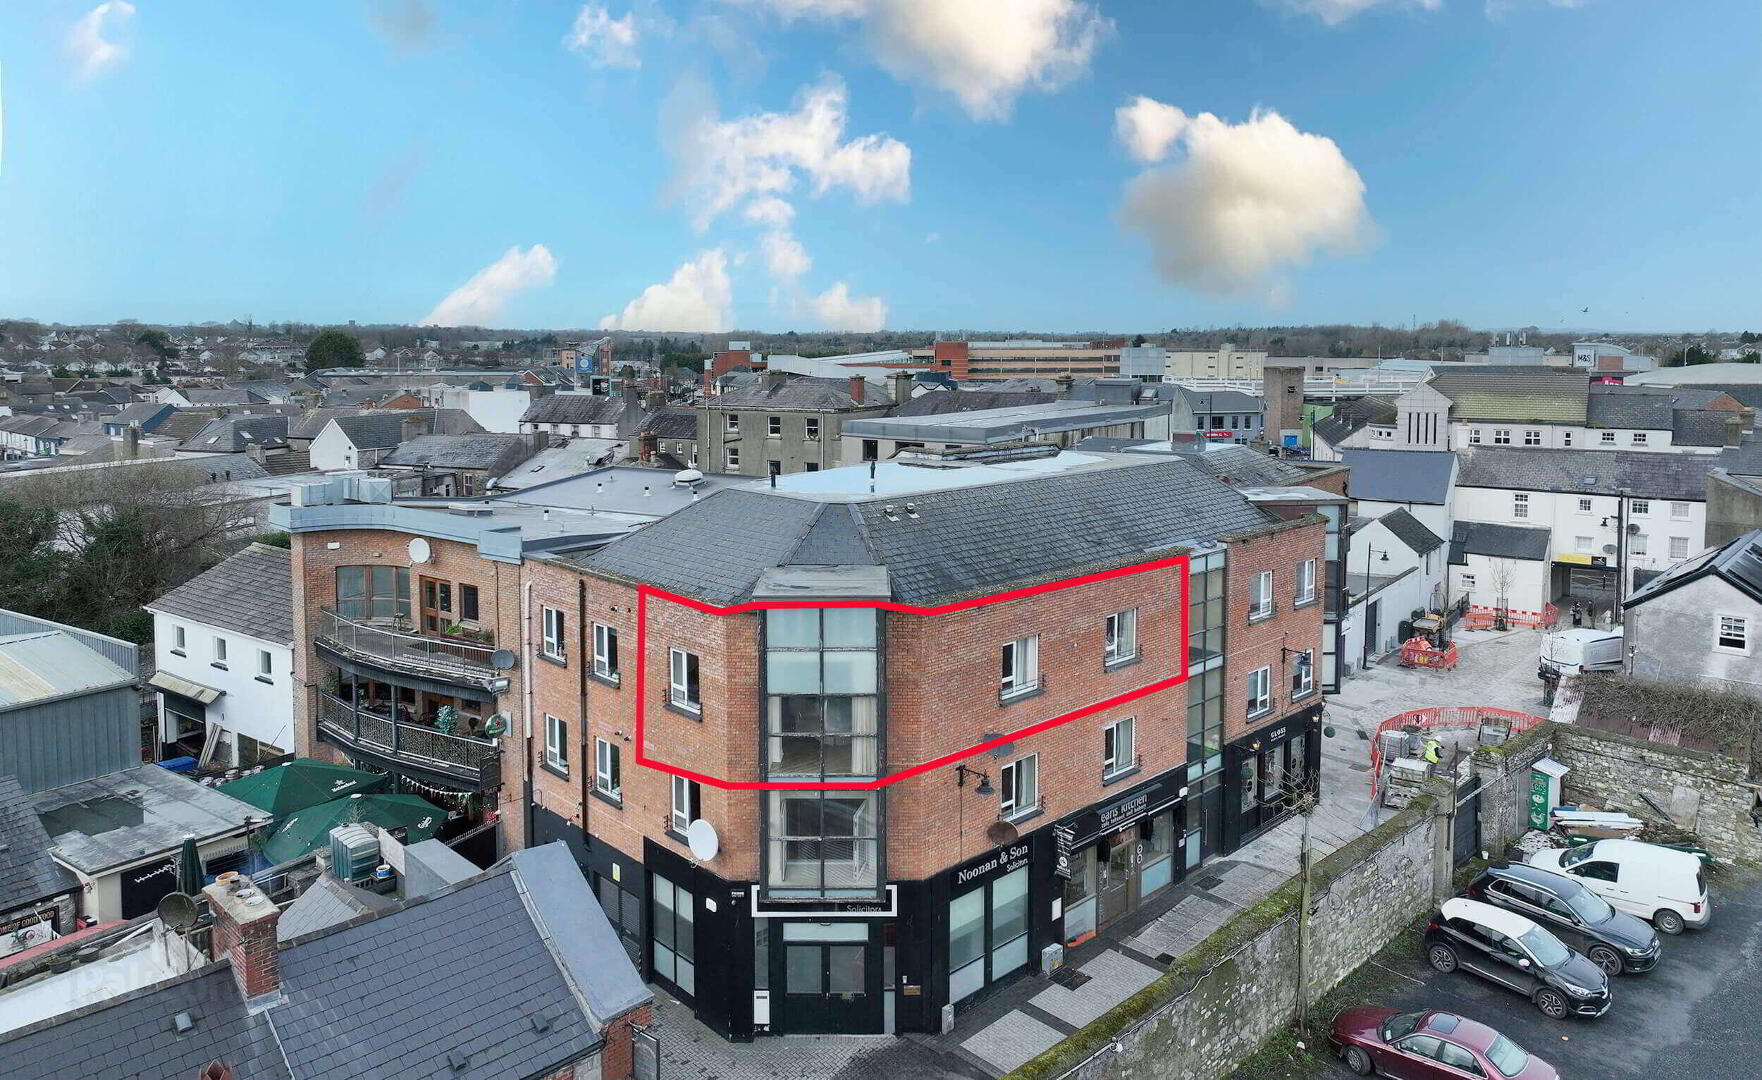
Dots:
{"x": 702, "y": 167}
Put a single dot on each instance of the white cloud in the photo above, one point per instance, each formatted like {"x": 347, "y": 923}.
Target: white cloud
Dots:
{"x": 405, "y": 24}
{"x": 698, "y": 297}
{"x": 479, "y": 301}
{"x": 1245, "y": 202}
{"x": 86, "y": 40}
{"x": 1148, "y": 127}
{"x": 984, "y": 52}
{"x": 727, "y": 161}
{"x": 771, "y": 211}
{"x": 1335, "y": 12}
{"x": 784, "y": 256}
{"x": 603, "y": 40}
{"x": 837, "y": 309}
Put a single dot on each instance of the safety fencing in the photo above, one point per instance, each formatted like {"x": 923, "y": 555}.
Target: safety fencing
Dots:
{"x": 1441, "y": 717}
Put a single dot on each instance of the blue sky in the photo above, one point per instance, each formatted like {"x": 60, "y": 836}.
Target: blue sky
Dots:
{"x": 364, "y": 159}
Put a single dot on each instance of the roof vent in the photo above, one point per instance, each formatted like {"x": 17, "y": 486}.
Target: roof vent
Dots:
{"x": 911, "y": 510}
{"x": 891, "y": 511}
{"x": 183, "y": 1022}
{"x": 688, "y": 478}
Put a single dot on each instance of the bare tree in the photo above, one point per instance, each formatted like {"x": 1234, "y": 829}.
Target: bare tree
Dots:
{"x": 1502, "y": 575}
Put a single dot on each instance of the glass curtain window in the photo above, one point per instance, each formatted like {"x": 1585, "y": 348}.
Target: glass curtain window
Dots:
{"x": 1205, "y": 722}
{"x": 822, "y": 679}
{"x": 675, "y": 936}
{"x": 373, "y": 592}
{"x": 1205, "y": 610}
{"x": 1159, "y": 850}
{"x": 823, "y": 842}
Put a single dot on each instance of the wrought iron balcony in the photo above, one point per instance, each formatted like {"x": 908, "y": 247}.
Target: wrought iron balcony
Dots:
{"x": 418, "y": 747}
{"x": 384, "y": 645}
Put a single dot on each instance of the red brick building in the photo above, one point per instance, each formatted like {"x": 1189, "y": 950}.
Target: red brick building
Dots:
{"x": 920, "y": 730}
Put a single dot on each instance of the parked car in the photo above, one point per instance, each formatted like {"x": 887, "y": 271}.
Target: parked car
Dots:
{"x": 1613, "y": 940}
{"x": 1504, "y": 947}
{"x": 1430, "y": 1046}
{"x": 1660, "y": 884}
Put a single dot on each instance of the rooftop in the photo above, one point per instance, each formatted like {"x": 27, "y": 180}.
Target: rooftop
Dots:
{"x": 46, "y": 665}
{"x": 1400, "y": 476}
{"x": 1586, "y": 472}
{"x": 1000, "y": 424}
{"x": 1738, "y": 563}
{"x": 123, "y": 817}
{"x": 28, "y": 874}
{"x": 250, "y": 593}
{"x": 1498, "y": 541}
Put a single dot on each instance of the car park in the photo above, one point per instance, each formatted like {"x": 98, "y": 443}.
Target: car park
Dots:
{"x": 1662, "y": 885}
{"x": 1431, "y": 1045}
{"x": 1505, "y": 948}
{"x": 1613, "y": 940}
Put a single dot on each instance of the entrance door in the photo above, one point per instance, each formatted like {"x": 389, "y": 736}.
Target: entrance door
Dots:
{"x": 1370, "y": 632}
{"x": 437, "y": 604}
{"x": 1118, "y": 879}
{"x": 831, "y": 980}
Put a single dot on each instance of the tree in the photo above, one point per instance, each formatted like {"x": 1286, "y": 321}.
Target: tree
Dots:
{"x": 1502, "y": 575}
{"x": 1138, "y": 341}
{"x": 334, "y": 349}
{"x": 159, "y": 341}
{"x": 1694, "y": 354}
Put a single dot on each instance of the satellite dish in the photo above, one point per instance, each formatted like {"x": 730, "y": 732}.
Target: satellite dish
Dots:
{"x": 1609, "y": 549}
{"x": 1001, "y": 833}
{"x": 420, "y": 551}
{"x": 502, "y": 659}
{"x": 701, "y": 837}
{"x": 178, "y": 911}
{"x": 1633, "y": 528}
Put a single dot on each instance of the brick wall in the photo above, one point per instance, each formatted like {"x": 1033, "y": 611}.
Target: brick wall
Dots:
{"x": 1250, "y": 645}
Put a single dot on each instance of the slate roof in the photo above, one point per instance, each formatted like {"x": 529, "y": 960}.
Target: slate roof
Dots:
{"x": 1738, "y": 563}
{"x": 1587, "y": 472}
{"x": 221, "y": 396}
{"x": 800, "y": 392}
{"x": 1244, "y": 466}
{"x": 148, "y": 414}
{"x": 965, "y": 541}
{"x": 1630, "y": 410}
{"x": 574, "y": 409}
{"x": 1513, "y": 392}
{"x": 671, "y": 424}
{"x": 1401, "y": 476}
{"x": 50, "y": 664}
{"x": 1497, "y": 541}
{"x": 376, "y": 430}
{"x": 232, "y": 434}
{"x": 183, "y": 423}
{"x": 1700, "y": 427}
{"x": 250, "y": 593}
{"x": 1411, "y": 531}
{"x": 1209, "y": 402}
{"x": 27, "y": 872}
{"x": 489, "y": 452}
{"x": 1333, "y": 430}
{"x": 1369, "y": 409}
{"x": 941, "y": 402}
{"x": 309, "y": 423}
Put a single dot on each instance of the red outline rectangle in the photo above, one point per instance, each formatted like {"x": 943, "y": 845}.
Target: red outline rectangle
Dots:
{"x": 643, "y": 592}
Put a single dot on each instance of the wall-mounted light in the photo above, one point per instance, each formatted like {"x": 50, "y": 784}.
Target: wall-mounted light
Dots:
{"x": 961, "y": 773}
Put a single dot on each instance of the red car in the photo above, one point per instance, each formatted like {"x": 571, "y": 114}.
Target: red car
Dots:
{"x": 1430, "y": 1046}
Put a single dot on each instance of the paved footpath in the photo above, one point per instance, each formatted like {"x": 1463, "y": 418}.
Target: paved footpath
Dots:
{"x": 1024, "y": 1018}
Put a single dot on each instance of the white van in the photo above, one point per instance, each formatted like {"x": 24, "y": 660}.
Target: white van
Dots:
{"x": 1661, "y": 884}
{"x": 1575, "y": 652}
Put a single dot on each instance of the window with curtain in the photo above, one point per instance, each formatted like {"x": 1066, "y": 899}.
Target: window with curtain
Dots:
{"x": 373, "y": 592}
{"x": 823, "y": 843}
{"x": 822, "y": 682}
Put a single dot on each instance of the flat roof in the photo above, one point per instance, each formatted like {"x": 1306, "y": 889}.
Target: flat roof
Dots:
{"x": 124, "y": 817}
{"x": 918, "y": 476}
{"x": 994, "y": 425}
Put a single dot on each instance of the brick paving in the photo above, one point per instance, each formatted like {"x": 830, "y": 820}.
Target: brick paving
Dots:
{"x": 1013, "y": 1023}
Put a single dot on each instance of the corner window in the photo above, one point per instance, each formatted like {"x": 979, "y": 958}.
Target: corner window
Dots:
{"x": 1018, "y": 787}
{"x": 556, "y": 744}
{"x": 1733, "y": 634}
{"x": 774, "y": 426}
{"x": 1021, "y": 667}
{"x": 605, "y": 652}
{"x": 1120, "y": 637}
{"x": 1260, "y": 695}
{"x": 687, "y": 804}
{"x": 1119, "y": 753}
{"x": 1306, "y": 581}
{"x": 683, "y": 690}
{"x": 608, "y": 778}
{"x": 554, "y": 629}
{"x": 1262, "y": 603}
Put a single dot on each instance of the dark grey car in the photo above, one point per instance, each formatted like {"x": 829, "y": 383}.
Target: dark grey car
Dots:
{"x": 1614, "y": 941}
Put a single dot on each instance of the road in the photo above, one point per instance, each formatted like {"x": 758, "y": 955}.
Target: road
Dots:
{"x": 1692, "y": 1016}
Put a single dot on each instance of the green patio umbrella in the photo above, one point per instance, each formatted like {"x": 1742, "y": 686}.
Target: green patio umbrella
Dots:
{"x": 300, "y": 783}
{"x": 308, "y": 830}
{"x": 189, "y": 868}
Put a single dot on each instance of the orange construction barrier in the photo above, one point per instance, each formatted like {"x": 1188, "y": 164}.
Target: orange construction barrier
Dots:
{"x": 1420, "y": 652}
{"x": 1447, "y": 716}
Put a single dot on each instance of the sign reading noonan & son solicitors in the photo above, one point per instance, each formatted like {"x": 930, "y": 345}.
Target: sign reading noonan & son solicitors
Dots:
{"x": 1002, "y": 861}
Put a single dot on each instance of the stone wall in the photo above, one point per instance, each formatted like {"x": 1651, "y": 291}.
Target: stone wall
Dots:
{"x": 1217, "y": 1004}
{"x": 1504, "y": 774}
{"x": 1703, "y": 793}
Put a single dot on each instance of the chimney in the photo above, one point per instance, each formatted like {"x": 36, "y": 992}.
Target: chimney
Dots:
{"x": 254, "y": 451}
{"x": 244, "y": 934}
{"x": 655, "y": 399}
{"x": 630, "y": 418}
{"x": 412, "y": 426}
{"x": 856, "y": 389}
{"x": 648, "y": 443}
{"x": 902, "y": 387}
{"x": 771, "y": 380}
{"x": 1735, "y": 427}
{"x": 1064, "y": 384}
{"x": 131, "y": 442}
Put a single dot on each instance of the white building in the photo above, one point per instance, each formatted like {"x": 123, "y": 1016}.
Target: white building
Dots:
{"x": 1395, "y": 566}
{"x": 1701, "y": 622}
{"x": 223, "y": 657}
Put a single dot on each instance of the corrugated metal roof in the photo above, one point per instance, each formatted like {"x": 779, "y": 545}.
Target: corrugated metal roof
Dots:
{"x": 51, "y": 664}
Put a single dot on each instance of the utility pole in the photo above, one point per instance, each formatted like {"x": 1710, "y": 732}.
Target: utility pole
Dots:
{"x": 1305, "y": 803}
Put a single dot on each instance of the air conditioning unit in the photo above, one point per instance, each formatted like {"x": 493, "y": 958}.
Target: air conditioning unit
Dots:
{"x": 354, "y": 852}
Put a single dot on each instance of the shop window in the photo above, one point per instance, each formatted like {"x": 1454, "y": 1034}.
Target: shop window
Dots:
{"x": 1120, "y": 637}
{"x": 1021, "y": 667}
{"x": 684, "y": 691}
{"x": 823, "y": 843}
{"x": 373, "y": 592}
{"x": 1079, "y": 897}
{"x": 1018, "y": 791}
{"x": 987, "y": 934}
{"x": 674, "y": 933}
{"x": 1159, "y": 854}
{"x": 1119, "y": 752}
{"x": 605, "y": 652}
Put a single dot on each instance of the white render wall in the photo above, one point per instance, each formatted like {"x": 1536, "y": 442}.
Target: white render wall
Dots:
{"x": 1526, "y": 590}
{"x": 1570, "y": 437}
{"x": 1560, "y": 514}
{"x": 1672, "y": 637}
{"x": 263, "y": 710}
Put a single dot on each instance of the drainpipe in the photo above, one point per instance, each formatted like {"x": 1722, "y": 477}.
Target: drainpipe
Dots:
{"x": 584, "y": 744}
{"x": 526, "y": 660}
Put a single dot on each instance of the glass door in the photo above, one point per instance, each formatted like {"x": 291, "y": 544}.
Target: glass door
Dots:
{"x": 831, "y": 984}
{"x": 1117, "y": 879}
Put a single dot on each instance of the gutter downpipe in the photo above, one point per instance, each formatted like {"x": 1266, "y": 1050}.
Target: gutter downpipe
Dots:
{"x": 526, "y": 709}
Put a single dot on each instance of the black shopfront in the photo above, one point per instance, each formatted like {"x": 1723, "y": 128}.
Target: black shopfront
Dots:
{"x": 1263, "y": 769}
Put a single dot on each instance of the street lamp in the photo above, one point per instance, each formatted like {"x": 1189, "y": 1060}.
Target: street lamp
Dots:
{"x": 1368, "y": 552}
{"x": 961, "y": 773}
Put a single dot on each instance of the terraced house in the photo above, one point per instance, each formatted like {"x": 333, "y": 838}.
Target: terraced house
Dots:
{"x": 842, "y": 753}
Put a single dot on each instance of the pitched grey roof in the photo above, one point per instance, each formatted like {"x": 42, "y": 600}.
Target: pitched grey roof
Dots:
{"x": 221, "y": 396}
{"x": 231, "y": 434}
{"x": 1701, "y": 427}
{"x": 1208, "y": 402}
{"x": 490, "y": 452}
{"x": 1369, "y": 409}
{"x": 1333, "y": 430}
{"x": 574, "y": 409}
{"x": 327, "y": 903}
{"x": 1587, "y": 472}
{"x": 1411, "y": 531}
{"x": 251, "y": 593}
{"x": 1610, "y": 408}
{"x": 27, "y": 872}
{"x": 376, "y": 430}
{"x": 675, "y": 424}
{"x": 1244, "y": 466}
{"x": 799, "y": 392}
{"x": 1401, "y": 476}
{"x": 148, "y": 414}
{"x": 309, "y": 423}
{"x": 939, "y": 402}
{"x": 965, "y": 540}
{"x": 1498, "y": 541}
{"x": 1738, "y": 563}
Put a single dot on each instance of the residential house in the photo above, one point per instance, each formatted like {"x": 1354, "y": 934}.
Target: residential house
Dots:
{"x": 1419, "y": 481}
{"x": 224, "y": 663}
{"x": 1698, "y": 623}
{"x": 459, "y": 464}
{"x": 359, "y": 442}
{"x": 1226, "y": 415}
{"x": 783, "y": 424}
{"x": 1502, "y": 572}
{"x": 1396, "y": 566}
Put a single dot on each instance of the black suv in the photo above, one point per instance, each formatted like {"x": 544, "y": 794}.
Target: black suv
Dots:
{"x": 1508, "y": 949}
{"x": 1613, "y": 940}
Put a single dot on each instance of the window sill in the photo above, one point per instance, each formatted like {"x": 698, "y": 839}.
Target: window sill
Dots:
{"x": 1122, "y": 662}
{"x": 265, "y": 679}
{"x": 1023, "y": 815}
{"x": 218, "y": 664}
{"x": 1256, "y": 714}
{"x": 683, "y": 710}
{"x": 1261, "y": 617}
{"x": 611, "y": 680}
{"x": 609, "y": 800}
{"x": 179, "y": 652}
{"x": 1020, "y": 695}
{"x": 560, "y": 661}
{"x": 1301, "y": 695}
{"x": 1306, "y": 603}
{"x": 1109, "y": 779}
{"x": 554, "y": 770}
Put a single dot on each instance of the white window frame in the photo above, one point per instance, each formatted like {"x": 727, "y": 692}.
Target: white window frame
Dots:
{"x": 1306, "y": 581}
{"x": 812, "y": 429}
{"x": 1501, "y": 436}
{"x": 1466, "y": 581}
{"x": 1640, "y": 507}
{"x": 1302, "y": 675}
{"x": 219, "y": 649}
{"x": 1532, "y": 437}
{"x": 556, "y": 630}
{"x": 608, "y": 769}
{"x": 265, "y": 663}
{"x": 1019, "y": 671}
{"x": 1734, "y": 627}
{"x": 686, "y": 807}
{"x": 1585, "y": 506}
{"x": 1640, "y": 438}
{"x": 1679, "y": 547}
{"x": 731, "y": 457}
{"x": 605, "y": 640}
{"x": 1119, "y": 747}
{"x": 1636, "y": 544}
{"x": 731, "y": 423}
{"x": 774, "y": 427}
{"x": 1520, "y": 504}
{"x": 178, "y": 638}
{"x": 1260, "y": 691}
{"x": 1583, "y": 544}
{"x": 557, "y": 743}
{"x": 1566, "y": 437}
{"x": 679, "y": 664}
{"x": 1018, "y": 787}
{"x": 1262, "y": 606}
{"x": 1474, "y": 435}
{"x": 1607, "y": 437}
{"x": 1119, "y": 636}
{"x": 1681, "y": 511}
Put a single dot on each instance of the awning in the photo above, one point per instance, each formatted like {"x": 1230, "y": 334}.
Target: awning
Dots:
{"x": 177, "y": 684}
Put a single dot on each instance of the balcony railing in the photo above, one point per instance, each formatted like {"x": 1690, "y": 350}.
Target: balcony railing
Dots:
{"x": 475, "y": 761}
{"x": 386, "y": 645}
